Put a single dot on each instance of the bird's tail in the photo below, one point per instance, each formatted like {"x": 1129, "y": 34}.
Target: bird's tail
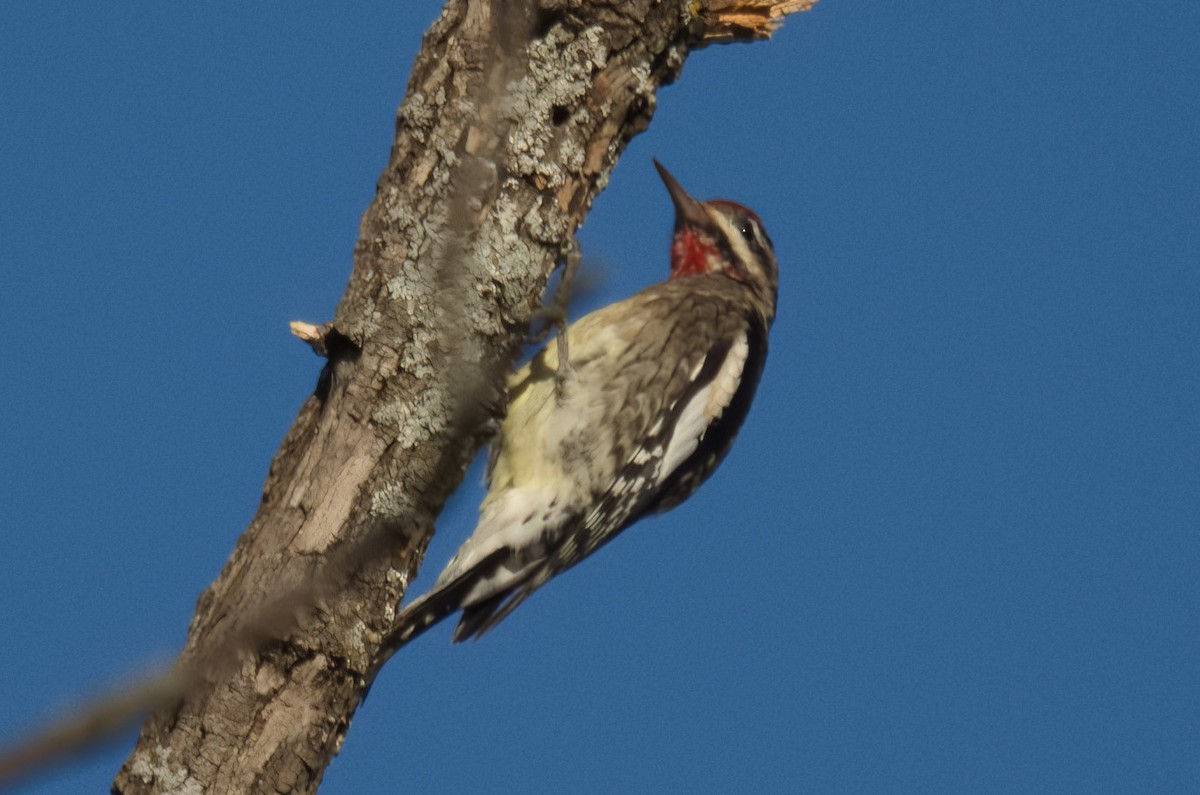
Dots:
{"x": 427, "y": 611}
{"x": 480, "y": 618}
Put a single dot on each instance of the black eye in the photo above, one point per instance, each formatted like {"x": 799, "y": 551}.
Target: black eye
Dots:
{"x": 747, "y": 230}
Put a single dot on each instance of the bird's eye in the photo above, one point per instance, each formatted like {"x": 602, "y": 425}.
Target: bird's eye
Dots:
{"x": 747, "y": 229}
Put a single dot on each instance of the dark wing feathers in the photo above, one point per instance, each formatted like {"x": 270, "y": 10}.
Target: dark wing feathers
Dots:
{"x": 718, "y": 438}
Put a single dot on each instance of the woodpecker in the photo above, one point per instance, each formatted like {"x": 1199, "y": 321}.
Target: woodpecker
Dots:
{"x": 654, "y": 390}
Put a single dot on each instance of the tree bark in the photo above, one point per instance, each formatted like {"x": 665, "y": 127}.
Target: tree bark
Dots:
{"x": 512, "y": 123}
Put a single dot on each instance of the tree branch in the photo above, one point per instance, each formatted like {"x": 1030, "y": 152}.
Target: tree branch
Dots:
{"x": 511, "y": 125}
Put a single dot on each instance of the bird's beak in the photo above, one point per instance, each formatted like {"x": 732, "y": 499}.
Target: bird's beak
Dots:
{"x": 688, "y": 211}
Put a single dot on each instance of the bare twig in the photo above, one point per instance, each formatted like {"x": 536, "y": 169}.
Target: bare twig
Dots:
{"x": 723, "y": 21}
{"x": 313, "y": 335}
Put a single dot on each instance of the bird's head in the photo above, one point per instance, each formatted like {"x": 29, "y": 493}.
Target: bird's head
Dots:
{"x": 719, "y": 237}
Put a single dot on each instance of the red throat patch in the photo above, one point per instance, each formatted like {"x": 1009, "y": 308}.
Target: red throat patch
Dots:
{"x": 691, "y": 253}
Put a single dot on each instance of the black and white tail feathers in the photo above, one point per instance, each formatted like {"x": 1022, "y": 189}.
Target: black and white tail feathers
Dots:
{"x": 446, "y": 599}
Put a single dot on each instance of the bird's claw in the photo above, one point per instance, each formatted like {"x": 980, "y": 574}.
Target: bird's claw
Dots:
{"x": 555, "y": 314}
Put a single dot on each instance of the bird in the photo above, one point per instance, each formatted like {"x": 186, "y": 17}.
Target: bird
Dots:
{"x": 631, "y": 423}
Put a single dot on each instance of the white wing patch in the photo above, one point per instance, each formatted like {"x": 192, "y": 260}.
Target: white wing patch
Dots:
{"x": 705, "y": 407}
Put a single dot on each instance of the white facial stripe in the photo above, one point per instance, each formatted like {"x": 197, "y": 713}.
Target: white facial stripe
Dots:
{"x": 733, "y": 235}
{"x": 760, "y": 235}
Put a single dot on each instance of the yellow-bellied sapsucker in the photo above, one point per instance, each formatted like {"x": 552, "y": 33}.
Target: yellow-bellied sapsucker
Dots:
{"x": 655, "y": 390}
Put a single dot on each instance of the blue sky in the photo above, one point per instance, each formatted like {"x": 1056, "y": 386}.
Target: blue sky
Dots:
{"x": 956, "y": 546}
